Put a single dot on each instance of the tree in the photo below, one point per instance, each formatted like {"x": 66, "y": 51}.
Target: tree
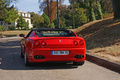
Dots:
{"x": 91, "y": 11}
{"x": 62, "y": 22}
{"x": 46, "y": 20}
{"x": 89, "y": 5}
{"x": 36, "y": 20}
{"x": 86, "y": 4}
{"x": 2, "y": 10}
{"x": 5, "y": 5}
{"x": 66, "y": 16}
{"x": 11, "y": 16}
{"x": 8, "y": 14}
{"x": 52, "y": 25}
{"x": 99, "y": 9}
{"x": 116, "y": 8}
{"x": 49, "y": 7}
{"x": 52, "y": 10}
{"x": 106, "y": 6}
{"x": 80, "y": 17}
{"x": 21, "y": 23}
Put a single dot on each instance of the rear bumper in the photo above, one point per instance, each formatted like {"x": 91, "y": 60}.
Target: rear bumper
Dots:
{"x": 46, "y": 52}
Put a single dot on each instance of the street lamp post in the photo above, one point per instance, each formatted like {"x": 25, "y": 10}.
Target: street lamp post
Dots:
{"x": 73, "y": 15}
{"x": 58, "y": 15}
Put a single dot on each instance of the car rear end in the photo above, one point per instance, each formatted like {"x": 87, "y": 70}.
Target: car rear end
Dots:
{"x": 57, "y": 48}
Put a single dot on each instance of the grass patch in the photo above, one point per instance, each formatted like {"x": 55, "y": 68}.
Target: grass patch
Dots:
{"x": 102, "y": 37}
{"x": 13, "y": 33}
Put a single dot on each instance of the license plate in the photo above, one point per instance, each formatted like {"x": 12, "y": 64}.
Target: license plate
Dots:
{"x": 60, "y": 52}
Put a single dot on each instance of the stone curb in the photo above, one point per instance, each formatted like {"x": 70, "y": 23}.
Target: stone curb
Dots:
{"x": 114, "y": 66}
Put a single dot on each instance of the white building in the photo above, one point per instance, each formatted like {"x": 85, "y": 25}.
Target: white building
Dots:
{"x": 27, "y": 18}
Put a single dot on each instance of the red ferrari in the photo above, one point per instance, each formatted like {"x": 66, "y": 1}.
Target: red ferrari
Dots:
{"x": 52, "y": 45}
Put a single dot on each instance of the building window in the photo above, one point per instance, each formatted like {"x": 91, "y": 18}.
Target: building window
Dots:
{"x": 24, "y": 14}
{"x": 28, "y": 15}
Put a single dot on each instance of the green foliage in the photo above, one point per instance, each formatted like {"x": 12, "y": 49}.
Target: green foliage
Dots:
{"x": 6, "y": 10}
{"x": 70, "y": 27}
{"x": 55, "y": 22}
{"x": 2, "y": 10}
{"x": 11, "y": 27}
{"x": 62, "y": 22}
{"x": 21, "y": 23}
{"x": 11, "y": 15}
{"x": 1, "y": 28}
{"x": 36, "y": 20}
{"x": 98, "y": 10}
{"x": 7, "y": 13}
{"x": 26, "y": 25}
{"x": 91, "y": 7}
{"x": 91, "y": 11}
{"x": 106, "y": 6}
{"x": 52, "y": 25}
{"x": 84, "y": 11}
{"x": 46, "y": 20}
{"x": 26, "y": 28}
{"x": 66, "y": 19}
{"x": 80, "y": 17}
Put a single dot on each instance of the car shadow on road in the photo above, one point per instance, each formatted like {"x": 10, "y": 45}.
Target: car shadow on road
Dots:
{"x": 11, "y": 60}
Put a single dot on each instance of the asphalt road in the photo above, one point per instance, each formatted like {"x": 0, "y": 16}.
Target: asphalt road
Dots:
{"x": 12, "y": 67}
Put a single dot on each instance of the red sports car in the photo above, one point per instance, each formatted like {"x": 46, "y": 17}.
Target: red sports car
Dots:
{"x": 52, "y": 45}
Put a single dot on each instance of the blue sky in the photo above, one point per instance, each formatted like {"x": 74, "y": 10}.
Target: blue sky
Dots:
{"x": 31, "y": 5}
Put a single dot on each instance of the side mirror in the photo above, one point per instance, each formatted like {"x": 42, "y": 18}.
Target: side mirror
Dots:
{"x": 22, "y": 35}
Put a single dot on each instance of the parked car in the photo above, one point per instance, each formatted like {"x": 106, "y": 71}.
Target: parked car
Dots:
{"x": 52, "y": 45}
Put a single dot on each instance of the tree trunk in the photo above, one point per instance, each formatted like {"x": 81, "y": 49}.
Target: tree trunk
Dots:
{"x": 6, "y": 26}
{"x": 3, "y": 25}
{"x": 116, "y": 8}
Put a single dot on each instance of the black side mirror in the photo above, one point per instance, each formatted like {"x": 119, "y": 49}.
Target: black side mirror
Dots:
{"x": 22, "y": 35}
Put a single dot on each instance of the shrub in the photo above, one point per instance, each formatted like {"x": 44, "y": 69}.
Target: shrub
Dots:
{"x": 52, "y": 25}
{"x": 26, "y": 28}
{"x": 11, "y": 27}
{"x": 1, "y": 28}
{"x": 107, "y": 15}
{"x": 70, "y": 27}
{"x": 46, "y": 20}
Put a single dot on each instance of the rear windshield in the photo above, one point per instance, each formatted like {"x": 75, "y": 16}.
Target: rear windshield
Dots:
{"x": 54, "y": 33}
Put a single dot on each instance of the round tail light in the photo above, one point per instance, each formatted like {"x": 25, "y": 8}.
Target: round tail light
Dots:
{"x": 75, "y": 43}
{"x": 37, "y": 43}
{"x": 81, "y": 42}
{"x": 43, "y": 43}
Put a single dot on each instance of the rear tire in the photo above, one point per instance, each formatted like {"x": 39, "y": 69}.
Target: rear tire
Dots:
{"x": 79, "y": 63}
{"x": 22, "y": 56}
{"x": 26, "y": 60}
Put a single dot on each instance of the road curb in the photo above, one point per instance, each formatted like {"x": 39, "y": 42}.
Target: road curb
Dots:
{"x": 103, "y": 62}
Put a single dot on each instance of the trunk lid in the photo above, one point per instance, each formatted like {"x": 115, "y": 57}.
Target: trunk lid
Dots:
{"x": 56, "y": 42}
